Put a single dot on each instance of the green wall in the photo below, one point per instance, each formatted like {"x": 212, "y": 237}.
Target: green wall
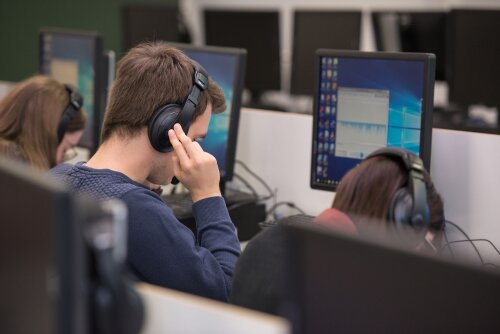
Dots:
{"x": 21, "y": 19}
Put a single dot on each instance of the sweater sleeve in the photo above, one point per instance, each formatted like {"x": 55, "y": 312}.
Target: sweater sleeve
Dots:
{"x": 162, "y": 251}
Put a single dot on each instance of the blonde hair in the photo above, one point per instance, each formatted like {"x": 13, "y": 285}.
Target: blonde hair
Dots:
{"x": 29, "y": 117}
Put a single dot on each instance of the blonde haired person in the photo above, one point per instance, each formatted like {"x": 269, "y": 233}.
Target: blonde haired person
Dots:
{"x": 30, "y": 116}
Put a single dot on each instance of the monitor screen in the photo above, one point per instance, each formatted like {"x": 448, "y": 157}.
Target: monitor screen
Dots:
{"x": 258, "y": 33}
{"x": 413, "y": 32}
{"x": 474, "y": 51}
{"x": 76, "y": 58}
{"x": 343, "y": 29}
{"x": 365, "y": 101}
{"x": 142, "y": 23}
{"x": 226, "y": 66}
{"x": 42, "y": 285}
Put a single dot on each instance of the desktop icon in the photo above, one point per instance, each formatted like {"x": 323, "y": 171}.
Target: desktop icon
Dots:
{"x": 332, "y": 148}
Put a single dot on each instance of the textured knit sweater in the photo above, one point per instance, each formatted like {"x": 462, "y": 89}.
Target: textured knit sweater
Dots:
{"x": 161, "y": 250}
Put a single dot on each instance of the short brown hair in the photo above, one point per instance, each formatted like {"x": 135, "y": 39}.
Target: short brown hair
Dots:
{"x": 29, "y": 118}
{"x": 368, "y": 189}
{"x": 149, "y": 76}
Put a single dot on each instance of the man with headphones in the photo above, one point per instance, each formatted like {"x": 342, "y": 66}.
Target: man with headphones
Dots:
{"x": 160, "y": 105}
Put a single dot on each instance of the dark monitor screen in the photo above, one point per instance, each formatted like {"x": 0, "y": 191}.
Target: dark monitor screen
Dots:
{"x": 320, "y": 30}
{"x": 365, "y": 101}
{"x": 150, "y": 23}
{"x": 255, "y": 31}
{"x": 423, "y": 32}
{"x": 226, "y": 66}
{"x": 344, "y": 284}
{"x": 41, "y": 283}
{"x": 76, "y": 58}
{"x": 474, "y": 51}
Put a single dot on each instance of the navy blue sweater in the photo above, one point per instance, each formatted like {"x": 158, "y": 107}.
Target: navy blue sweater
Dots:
{"x": 161, "y": 250}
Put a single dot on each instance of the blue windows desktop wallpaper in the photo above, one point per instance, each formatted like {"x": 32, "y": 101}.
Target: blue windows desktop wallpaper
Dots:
{"x": 364, "y": 104}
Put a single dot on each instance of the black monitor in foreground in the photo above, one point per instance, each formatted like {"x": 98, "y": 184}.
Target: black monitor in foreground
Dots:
{"x": 141, "y": 23}
{"x": 226, "y": 66}
{"x": 258, "y": 33}
{"x": 422, "y": 32}
{"x": 367, "y": 100}
{"x": 42, "y": 285}
{"x": 473, "y": 55}
{"x": 349, "y": 284}
{"x": 314, "y": 30}
{"x": 76, "y": 58}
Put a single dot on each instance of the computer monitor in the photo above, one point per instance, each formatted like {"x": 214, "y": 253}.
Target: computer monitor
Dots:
{"x": 258, "y": 33}
{"x": 473, "y": 54}
{"x": 314, "y": 30}
{"x": 357, "y": 284}
{"x": 141, "y": 23}
{"x": 423, "y": 32}
{"x": 42, "y": 285}
{"x": 226, "y": 66}
{"x": 76, "y": 57}
{"x": 365, "y": 101}
{"x": 109, "y": 70}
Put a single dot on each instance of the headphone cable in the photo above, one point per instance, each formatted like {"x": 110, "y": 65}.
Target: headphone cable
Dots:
{"x": 245, "y": 167}
{"x": 467, "y": 239}
{"x": 476, "y": 240}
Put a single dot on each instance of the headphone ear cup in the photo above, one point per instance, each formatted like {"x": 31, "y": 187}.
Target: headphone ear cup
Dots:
{"x": 162, "y": 121}
{"x": 400, "y": 212}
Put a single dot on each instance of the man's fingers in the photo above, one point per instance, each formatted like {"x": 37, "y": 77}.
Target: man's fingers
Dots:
{"x": 185, "y": 140}
{"x": 178, "y": 148}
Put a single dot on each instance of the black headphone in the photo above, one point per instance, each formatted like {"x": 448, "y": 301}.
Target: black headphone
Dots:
{"x": 75, "y": 104}
{"x": 166, "y": 116}
{"x": 409, "y": 205}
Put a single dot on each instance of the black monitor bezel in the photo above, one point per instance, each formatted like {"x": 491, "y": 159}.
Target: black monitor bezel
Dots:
{"x": 99, "y": 76}
{"x": 312, "y": 247}
{"x": 273, "y": 11}
{"x": 66, "y": 222}
{"x": 429, "y": 61}
{"x": 239, "y": 81}
{"x": 295, "y": 88}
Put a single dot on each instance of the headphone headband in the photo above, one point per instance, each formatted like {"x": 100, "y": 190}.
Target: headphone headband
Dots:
{"x": 200, "y": 84}
{"x": 74, "y": 105}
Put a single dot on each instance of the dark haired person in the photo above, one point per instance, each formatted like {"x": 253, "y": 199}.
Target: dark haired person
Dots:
{"x": 29, "y": 119}
{"x": 161, "y": 250}
{"x": 364, "y": 195}
{"x": 368, "y": 191}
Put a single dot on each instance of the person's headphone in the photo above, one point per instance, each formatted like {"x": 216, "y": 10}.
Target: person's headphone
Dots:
{"x": 166, "y": 116}
{"x": 75, "y": 104}
{"x": 409, "y": 205}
